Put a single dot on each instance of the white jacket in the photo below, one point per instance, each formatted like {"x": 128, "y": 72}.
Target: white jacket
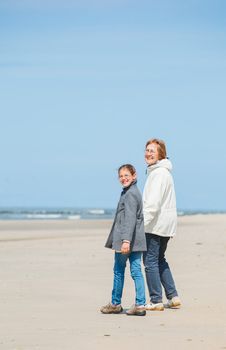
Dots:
{"x": 159, "y": 200}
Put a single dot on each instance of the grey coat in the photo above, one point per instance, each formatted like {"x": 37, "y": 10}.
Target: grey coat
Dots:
{"x": 128, "y": 222}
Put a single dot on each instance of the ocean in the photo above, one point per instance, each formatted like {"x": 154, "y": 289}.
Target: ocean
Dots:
{"x": 55, "y": 213}
{"x": 73, "y": 213}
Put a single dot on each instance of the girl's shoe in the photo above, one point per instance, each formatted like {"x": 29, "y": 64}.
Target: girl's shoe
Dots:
{"x": 111, "y": 309}
{"x": 136, "y": 310}
{"x": 173, "y": 303}
{"x": 154, "y": 307}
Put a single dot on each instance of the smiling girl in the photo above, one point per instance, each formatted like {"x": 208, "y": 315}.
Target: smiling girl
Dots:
{"x": 127, "y": 238}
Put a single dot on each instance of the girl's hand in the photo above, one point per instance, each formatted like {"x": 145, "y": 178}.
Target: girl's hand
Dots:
{"x": 125, "y": 248}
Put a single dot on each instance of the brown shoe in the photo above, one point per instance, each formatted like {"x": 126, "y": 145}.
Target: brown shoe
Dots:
{"x": 111, "y": 309}
{"x": 136, "y": 310}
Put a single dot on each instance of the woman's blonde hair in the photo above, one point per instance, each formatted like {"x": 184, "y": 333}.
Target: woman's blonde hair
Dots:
{"x": 161, "y": 147}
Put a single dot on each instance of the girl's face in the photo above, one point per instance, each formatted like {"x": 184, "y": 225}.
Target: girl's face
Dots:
{"x": 125, "y": 177}
{"x": 151, "y": 154}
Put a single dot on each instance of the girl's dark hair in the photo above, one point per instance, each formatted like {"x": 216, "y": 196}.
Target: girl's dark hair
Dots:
{"x": 129, "y": 167}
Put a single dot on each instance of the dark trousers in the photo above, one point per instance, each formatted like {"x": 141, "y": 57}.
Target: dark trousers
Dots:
{"x": 157, "y": 269}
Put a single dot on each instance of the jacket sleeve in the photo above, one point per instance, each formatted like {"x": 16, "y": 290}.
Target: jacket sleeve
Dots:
{"x": 130, "y": 217}
{"x": 152, "y": 196}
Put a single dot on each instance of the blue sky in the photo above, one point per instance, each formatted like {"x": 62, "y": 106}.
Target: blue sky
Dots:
{"x": 84, "y": 85}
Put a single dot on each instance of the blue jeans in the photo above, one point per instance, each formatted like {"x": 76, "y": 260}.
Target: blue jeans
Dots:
{"x": 136, "y": 274}
{"x": 157, "y": 270}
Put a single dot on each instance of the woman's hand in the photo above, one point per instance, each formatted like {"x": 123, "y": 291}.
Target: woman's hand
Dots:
{"x": 125, "y": 248}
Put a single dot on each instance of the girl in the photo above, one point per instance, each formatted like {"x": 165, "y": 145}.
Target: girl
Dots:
{"x": 127, "y": 238}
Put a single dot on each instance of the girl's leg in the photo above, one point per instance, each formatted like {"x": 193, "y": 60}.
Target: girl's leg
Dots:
{"x": 151, "y": 263}
{"x": 165, "y": 273}
{"x": 119, "y": 272}
{"x": 137, "y": 276}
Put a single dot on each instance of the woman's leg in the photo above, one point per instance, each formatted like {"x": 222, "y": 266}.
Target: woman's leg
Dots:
{"x": 119, "y": 272}
{"x": 165, "y": 272}
{"x": 151, "y": 263}
{"x": 137, "y": 276}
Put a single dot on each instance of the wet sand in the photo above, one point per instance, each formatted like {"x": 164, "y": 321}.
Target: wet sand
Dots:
{"x": 55, "y": 275}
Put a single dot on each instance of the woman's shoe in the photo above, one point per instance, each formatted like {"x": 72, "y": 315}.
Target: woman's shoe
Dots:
{"x": 173, "y": 303}
{"x": 154, "y": 307}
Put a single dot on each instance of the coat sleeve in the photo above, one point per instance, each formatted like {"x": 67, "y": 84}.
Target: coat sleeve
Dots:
{"x": 152, "y": 196}
{"x": 130, "y": 216}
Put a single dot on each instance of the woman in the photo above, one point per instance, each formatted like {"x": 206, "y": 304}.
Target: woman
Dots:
{"x": 160, "y": 222}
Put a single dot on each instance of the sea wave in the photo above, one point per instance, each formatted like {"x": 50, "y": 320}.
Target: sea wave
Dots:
{"x": 43, "y": 216}
{"x": 55, "y": 213}
{"x": 74, "y": 213}
{"x": 96, "y": 211}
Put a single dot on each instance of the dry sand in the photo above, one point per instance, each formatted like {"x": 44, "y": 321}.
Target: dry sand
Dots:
{"x": 56, "y": 275}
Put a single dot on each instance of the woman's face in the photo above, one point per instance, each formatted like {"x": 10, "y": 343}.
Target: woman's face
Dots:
{"x": 151, "y": 154}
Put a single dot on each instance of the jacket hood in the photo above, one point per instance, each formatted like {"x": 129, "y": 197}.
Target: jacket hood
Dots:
{"x": 163, "y": 163}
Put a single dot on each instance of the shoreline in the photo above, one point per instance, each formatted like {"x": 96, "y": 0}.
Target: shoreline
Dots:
{"x": 74, "y": 214}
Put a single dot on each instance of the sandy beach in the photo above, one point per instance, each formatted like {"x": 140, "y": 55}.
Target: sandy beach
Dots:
{"x": 55, "y": 275}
